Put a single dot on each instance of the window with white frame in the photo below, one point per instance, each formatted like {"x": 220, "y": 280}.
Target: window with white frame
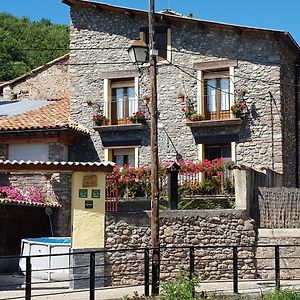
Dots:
{"x": 212, "y": 152}
{"x": 121, "y": 100}
{"x": 123, "y": 156}
{"x": 216, "y": 88}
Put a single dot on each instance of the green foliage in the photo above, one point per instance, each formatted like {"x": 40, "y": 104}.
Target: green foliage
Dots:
{"x": 19, "y": 36}
{"x": 181, "y": 289}
{"x": 136, "y": 296}
{"x": 286, "y": 294}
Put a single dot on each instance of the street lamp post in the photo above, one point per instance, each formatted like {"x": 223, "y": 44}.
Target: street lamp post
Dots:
{"x": 137, "y": 53}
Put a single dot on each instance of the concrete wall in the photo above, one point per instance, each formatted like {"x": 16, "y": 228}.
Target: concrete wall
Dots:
{"x": 88, "y": 221}
{"x": 259, "y": 58}
{"x": 50, "y": 82}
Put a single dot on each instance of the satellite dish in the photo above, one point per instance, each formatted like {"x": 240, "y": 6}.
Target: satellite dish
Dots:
{"x": 48, "y": 211}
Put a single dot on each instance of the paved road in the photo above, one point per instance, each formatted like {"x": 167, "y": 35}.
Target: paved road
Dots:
{"x": 59, "y": 290}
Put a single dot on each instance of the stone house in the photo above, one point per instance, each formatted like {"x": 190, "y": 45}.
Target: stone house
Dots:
{"x": 35, "y": 123}
{"x": 215, "y": 65}
{"x": 49, "y": 81}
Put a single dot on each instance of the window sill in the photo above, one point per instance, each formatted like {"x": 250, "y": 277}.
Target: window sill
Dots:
{"x": 215, "y": 123}
{"x": 116, "y": 128}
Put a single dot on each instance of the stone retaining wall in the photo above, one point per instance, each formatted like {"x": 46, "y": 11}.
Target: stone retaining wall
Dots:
{"x": 289, "y": 253}
{"x": 202, "y": 229}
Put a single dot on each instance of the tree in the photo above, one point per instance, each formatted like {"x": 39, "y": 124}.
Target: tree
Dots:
{"x": 24, "y": 44}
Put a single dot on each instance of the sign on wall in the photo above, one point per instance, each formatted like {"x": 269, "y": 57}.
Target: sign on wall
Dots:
{"x": 89, "y": 181}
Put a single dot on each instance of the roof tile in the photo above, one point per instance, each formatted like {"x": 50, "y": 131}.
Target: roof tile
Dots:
{"x": 55, "y": 115}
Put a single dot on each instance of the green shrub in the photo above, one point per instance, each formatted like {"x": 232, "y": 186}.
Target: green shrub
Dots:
{"x": 181, "y": 289}
{"x": 285, "y": 294}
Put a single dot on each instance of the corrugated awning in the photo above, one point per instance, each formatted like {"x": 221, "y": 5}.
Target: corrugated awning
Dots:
{"x": 68, "y": 166}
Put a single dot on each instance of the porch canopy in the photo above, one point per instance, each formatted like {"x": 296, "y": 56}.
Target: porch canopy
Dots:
{"x": 67, "y": 166}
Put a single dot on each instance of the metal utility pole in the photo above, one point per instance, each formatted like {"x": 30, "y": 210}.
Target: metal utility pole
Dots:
{"x": 154, "y": 154}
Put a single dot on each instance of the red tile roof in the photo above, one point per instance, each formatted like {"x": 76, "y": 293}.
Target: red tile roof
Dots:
{"x": 55, "y": 115}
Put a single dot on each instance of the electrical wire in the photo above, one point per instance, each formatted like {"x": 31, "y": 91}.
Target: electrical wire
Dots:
{"x": 126, "y": 48}
{"x": 245, "y": 77}
{"x": 181, "y": 67}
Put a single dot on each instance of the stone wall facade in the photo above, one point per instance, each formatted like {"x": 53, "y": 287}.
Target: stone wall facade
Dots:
{"x": 50, "y": 82}
{"x": 259, "y": 61}
{"x": 202, "y": 229}
{"x": 289, "y": 253}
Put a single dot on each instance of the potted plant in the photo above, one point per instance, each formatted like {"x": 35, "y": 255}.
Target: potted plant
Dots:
{"x": 100, "y": 119}
{"x": 238, "y": 108}
{"x": 197, "y": 117}
{"x": 138, "y": 117}
{"x": 147, "y": 99}
{"x": 181, "y": 96}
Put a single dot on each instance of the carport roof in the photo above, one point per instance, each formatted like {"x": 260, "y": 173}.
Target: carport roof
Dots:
{"x": 67, "y": 166}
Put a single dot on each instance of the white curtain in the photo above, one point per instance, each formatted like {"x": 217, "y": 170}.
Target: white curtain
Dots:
{"x": 211, "y": 95}
{"x": 119, "y": 100}
{"x": 225, "y": 101}
{"x": 131, "y": 99}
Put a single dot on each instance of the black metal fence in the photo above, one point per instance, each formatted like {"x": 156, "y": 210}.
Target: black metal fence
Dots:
{"x": 99, "y": 270}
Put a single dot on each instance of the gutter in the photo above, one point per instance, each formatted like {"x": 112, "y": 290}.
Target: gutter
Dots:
{"x": 30, "y": 131}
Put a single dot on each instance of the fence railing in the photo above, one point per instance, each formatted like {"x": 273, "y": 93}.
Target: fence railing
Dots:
{"x": 187, "y": 184}
{"x": 91, "y": 271}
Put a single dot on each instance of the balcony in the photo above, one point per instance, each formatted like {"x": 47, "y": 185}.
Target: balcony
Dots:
{"x": 123, "y": 134}
{"x": 120, "y": 127}
{"x": 235, "y": 122}
{"x": 216, "y": 131}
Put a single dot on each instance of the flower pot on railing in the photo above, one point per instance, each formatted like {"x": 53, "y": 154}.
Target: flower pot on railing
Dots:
{"x": 238, "y": 109}
{"x": 146, "y": 100}
{"x": 138, "y": 118}
{"x": 99, "y": 119}
{"x": 181, "y": 97}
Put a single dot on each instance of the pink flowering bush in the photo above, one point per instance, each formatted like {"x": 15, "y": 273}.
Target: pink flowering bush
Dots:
{"x": 31, "y": 194}
{"x": 135, "y": 182}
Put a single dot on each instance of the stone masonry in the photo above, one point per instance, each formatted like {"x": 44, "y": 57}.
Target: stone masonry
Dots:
{"x": 261, "y": 58}
{"x": 223, "y": 228}
{"x": 289, "y": 253}
{"x": 50, "y": 81}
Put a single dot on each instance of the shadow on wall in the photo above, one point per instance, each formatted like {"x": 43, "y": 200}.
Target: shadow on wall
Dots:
{"x": 61, "y": 218}
{"x": 83, "y": 150}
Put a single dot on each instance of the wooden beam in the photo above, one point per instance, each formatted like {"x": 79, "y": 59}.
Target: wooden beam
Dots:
{"x": 216, "y": 64}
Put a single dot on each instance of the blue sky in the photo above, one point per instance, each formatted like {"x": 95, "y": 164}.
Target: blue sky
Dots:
{"x": 273, "y": 14}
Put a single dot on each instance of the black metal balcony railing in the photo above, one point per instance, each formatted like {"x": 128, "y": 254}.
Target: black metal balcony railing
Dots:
{"x": 121, "y": 109}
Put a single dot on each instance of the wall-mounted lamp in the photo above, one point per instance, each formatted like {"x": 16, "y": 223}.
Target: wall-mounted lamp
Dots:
{"x": 138, "y": 52}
